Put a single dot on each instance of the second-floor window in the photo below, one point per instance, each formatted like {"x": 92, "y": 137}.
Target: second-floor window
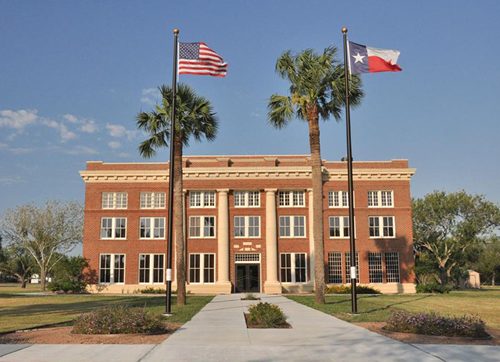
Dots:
{"x": 246, "y": 198}
{"x": 152, "y": 200}
{"x": 152, "y": 227}
{"x": 339, "y": 226}
{"x": 291, "y": 198}
{"x": 114, "y": 200}
{"x": 202, "y": 226}
{"x": 381, "y": 226}
{"x": 113, "y": 228}
{"x": 381, "y": 198}
{"x": 247, "y": 226}
{"x": 292, "y": 226}
{"x": 198, "y": 199}
{"x": 338, "y": 199}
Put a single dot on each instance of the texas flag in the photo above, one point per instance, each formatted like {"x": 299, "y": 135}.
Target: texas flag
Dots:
{"x": 363, "y": 59}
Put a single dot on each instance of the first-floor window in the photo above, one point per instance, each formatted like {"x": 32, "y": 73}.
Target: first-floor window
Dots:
{"x": 335, "y": 267}
{"x": 392, "y": 267}
{"x": 202, "y": 226}
{"x": 151, "y": 267}
{"x": 381, "y": 226}
{"x": 375, "y": 267}
{"x": 113, "y": 228}
{"x": 202, "y": 268}
{"x": 293, "y": 226}
{"x": 112, "y": 268}
{"x": 293, "y": 268}
{"x": 348, "y": 267}
{"x": 152, "y": 227}
{"x": 339, "y": 226}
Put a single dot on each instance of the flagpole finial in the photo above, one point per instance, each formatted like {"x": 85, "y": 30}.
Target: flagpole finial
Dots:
{"x": 176, "y": 31}
{"x": 344, "y": 30}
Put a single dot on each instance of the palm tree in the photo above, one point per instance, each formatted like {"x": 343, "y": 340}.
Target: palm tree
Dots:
{"x": 317, "y": 89}
{"x": 194, "y": 118}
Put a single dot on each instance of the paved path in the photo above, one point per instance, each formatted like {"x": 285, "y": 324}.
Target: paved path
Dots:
{"x": 218, "y": 333}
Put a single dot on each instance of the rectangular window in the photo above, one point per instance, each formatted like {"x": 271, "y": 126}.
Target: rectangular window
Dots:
{"x": 339, "y": 226}
{"x": 293, "y": 226}
{"x": 112, "y": 268}
{"x": 247, "y": 226}
{"x": 151, "y": 268}
{"x": 375, "y": 267}
{"x": 202, "y": 226}
{"x": 348, "y": 267}
{"x": 152, "y": 200}
{"x": 152, "y": 227}
{"x": 202, "y": 268}
{"x": 291, "y": 198}
{"x": 246, "y": 198}
{"x": 335, "y": 267}
{"x": 199, "y": 199}
{"x": 392, "y": 267}
{"x": 113, "y": 228}
{"x": 293, "y": 268}
{"x": 338, "y": 199}
{"x": 114, "y": 200}
{"x": 382, "y": 198}
{"x": 381, "y": 226}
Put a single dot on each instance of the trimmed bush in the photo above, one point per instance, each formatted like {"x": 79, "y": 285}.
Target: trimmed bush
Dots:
{"x": 433, "y": 288}
{"x": 346, "y": 289}
{"x": 266, "y": 315}
{"x": 119, "y": 319}
{"x": 436, "y": 325}
{"x": 151, "y": 290}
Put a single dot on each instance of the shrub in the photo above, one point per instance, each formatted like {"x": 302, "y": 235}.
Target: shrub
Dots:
{"x": 433, "y": 288}
{"x": 250, "y": 296}
{"x": 67, "y": 286}
{"x": 119, "y": 319}
{"x": 68, "y": 275}
{"x": 436, "y": 325}
{"x": 266, "y": 315}
{"x": 151, "y": 290}
{"x": 346, "y": 289}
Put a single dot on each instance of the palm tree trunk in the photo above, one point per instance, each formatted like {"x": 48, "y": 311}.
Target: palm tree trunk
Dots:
{"x": 180, "y": 266}
{"x": 317, "y": 187}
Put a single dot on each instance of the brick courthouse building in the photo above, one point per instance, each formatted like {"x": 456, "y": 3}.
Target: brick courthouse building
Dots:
{"x": 248, "y": 224}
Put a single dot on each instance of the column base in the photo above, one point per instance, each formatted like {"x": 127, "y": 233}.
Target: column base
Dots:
{"x": 217, "y": 288}
{"x": 272, "y": 288}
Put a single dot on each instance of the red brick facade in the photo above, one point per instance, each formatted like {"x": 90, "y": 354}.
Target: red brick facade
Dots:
{"x": 269, "y": 175}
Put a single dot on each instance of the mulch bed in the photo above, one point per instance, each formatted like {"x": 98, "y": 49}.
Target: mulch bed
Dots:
{"x": 424, "y": 339}
{"x": 258, "y": 326}
{"x": 63, "y": 335}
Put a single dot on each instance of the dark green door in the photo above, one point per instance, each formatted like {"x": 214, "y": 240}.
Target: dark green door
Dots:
{"x": 247, "y": 278}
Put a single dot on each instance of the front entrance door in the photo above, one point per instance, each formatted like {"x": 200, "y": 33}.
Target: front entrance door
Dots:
{"x": 247, "y": 278}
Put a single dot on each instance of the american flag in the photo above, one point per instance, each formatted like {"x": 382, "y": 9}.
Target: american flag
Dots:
{"x": 198, "y": 59}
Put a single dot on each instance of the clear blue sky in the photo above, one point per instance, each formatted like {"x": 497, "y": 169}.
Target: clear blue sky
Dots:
{"x": 73, "y": 75}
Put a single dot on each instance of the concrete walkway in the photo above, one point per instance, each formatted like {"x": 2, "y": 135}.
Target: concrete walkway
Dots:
{"x": 218, "y": 333}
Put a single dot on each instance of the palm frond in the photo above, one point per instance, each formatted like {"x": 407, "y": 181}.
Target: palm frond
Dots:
{"x": 280, "y": 110}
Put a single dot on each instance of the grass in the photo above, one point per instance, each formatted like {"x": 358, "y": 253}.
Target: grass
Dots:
{"x": 377, "y": 308}
{"x": 19, "y": 311}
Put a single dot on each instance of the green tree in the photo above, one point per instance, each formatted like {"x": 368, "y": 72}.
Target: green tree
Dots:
{"x": 317, "y": 90}
{"x": 68, "y": 274}
{"x": 194, "y": 119}
{"x": 16, "y": 262}
{"x": 45, "y": 233}
{"x": 447, "y": 226}
{"x": 488, "y": 264}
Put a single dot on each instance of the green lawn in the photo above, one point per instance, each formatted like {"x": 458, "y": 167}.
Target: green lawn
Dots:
{"x": 484, "y": 302}
{"x": 19, "y": 311}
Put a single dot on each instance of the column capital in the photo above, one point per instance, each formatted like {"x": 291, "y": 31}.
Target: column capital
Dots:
{"x": 309, "y": 190}
{"x": 271, "y": 190}
{"x": 223, "y": 190}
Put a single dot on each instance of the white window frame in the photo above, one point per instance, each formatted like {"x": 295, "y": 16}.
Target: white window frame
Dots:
{"x": 246, "y": 226}
{"x": 202, "y": 198}
{"x": 293, "y": 268}
{"x": 115, "y": 197}
{"x": 338, "y": 195}
{"x": 292, "y": 227}
{"x": 150, "y": 200}
{"x": 289, "y": 198}
{"x": 392, "y": 256}
{"x": 112, "y": 268}
{"x": 151, "y": 269}
{"x": 342, "y": 219}
{"x": 152, "y": 228}
{"x": 202, "y": 268}
{"x": 381, "y": 226}
{"x": 375, "y": 197}
{"x": 202, "y": 227}
{"x": 242, "y": 199}
{"x": 113, "y": 228}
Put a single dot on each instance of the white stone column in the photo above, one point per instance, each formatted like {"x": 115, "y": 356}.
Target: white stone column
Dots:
{"x": 311, "y": 238}
{"x": 223, "y": 283}
{"x": 271, "y": 285}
